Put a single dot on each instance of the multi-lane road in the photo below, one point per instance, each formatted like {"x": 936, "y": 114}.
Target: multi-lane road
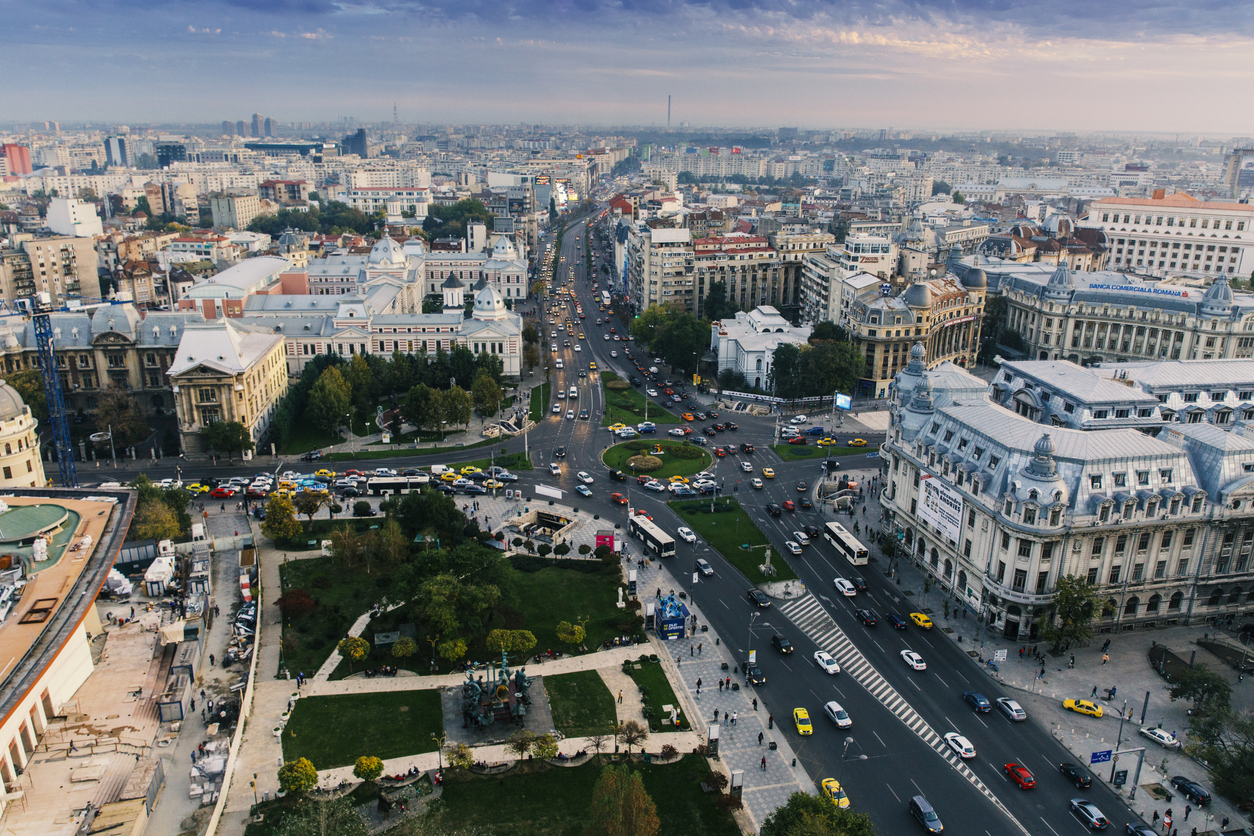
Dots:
{"x": 899, "y": 715}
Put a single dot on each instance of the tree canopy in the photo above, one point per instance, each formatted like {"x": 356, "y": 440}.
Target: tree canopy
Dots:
{"x": 1075, "y": 600}
{"x": 673, "y": 334}
{"x": 817, "y": 369}
{"x": 332, "y": 219}
{"x": 450, "y": 221}
{"x": 620, "y": 805}
{"x": 810, "y": 815}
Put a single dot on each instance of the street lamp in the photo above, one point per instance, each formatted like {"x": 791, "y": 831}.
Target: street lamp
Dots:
{"x": 848, "y": 742}
{"x": 752, "y": 618}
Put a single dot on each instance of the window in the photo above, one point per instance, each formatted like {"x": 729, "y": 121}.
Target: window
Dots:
{"x": 1164, "y": 475}
{"x": 1121, "y": 544}
{"x": 1114, "y": 574}
{"x": 1005, "y": 540}
{"x": 1142, "y": 477}
{"x": 1160, "y": 570}
{"x": 966, "y": 549}
{"x": 1121, "y": 479}
{"x": 1144, "y": 542}
{"x": 8, "y": 473}
{"x": 1138, "y": 572}
{"x": 1025, "y": 548}
{"x": 971, "y": 517}
{"x": 1020, "y": 579}
{"x": 1197, "y": 502}
{"x": 1165, "y": 541}
{"x": 1029, "y": 515}
{"x": 1182, "y": 567}
{"x": 1055, "y": 515}
{"x": 207, "y": 395}
{"x": 1001, "y": 571}
{"x": 1095, "y": 481}
{"x": 1098, "y": 544}
{"x": 993, "y": 461}
{"x": 1092, "y": 577}
{"x": 1042, "y": 578}
{"x": 1187, "y": 542}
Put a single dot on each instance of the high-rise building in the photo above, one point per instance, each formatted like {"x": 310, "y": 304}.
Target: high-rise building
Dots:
{"x": 269, "y": 126}
{"x": 228, "y": 127}
{"x": 239, "y": 128}
{"x": 118, "y": 151}
{"x": 258, "y": 124}
{"x": 19, "y": 159}
{"x": 357, "y": 144}
{"x": 169, "y": 152}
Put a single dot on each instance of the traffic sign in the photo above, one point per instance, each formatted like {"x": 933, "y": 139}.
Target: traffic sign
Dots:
{"x": 873, "y": 455}
{"x": 1100, "y": 757}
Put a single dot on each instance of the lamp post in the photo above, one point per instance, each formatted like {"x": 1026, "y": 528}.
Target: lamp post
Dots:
{"x": 348, "y": 421}
{"x": 848, "y": 742}
{"x": 752, "y": 618}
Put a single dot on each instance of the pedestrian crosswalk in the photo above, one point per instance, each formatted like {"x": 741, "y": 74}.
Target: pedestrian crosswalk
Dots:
{"x": 810, "y": 617}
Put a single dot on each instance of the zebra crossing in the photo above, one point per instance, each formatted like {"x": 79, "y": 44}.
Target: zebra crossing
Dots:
{"x": 810, "y": 617}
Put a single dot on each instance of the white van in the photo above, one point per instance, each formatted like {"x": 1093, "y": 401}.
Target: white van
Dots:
{"x": 439, "y": 469}
{"x": 573, "y": 393}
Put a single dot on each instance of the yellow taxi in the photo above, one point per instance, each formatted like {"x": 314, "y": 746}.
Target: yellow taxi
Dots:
{"x": 802, "y": 718}
{"x": 858, "y": 442}
{"x": 832, "y": 790}
{"x": 469, "y": 469}
{"x": 581, "y": 336}
{"x": 592, "y": 367}
{"x": 284, "y": 492}
{"x": 616, "y": 427}
{"x": 921, "y": 620}
{"x": 330, "y": 474}
{"x": 688, "y": 416}
{"x": 1083, "y": 707}
{"x": 827, "y": 442}
{"x": 287, "y": 485}
{"x": 680, "y": 480}
{"x": 768, "y": 473}
{"x": 492, "y": 483}
{"x": 196, "y": 487}
{"x": 449, "y": 476}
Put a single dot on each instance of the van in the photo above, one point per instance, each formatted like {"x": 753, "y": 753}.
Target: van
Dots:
{"x": 439, "y": 469}
{"x": 923, "y": 813}
{"x": 573, "y": 393}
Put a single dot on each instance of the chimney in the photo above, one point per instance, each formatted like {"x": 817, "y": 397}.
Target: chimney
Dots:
{"x": 1159, "y": 194}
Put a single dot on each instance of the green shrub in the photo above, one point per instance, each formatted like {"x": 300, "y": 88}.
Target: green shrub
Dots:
{"x": 638, "y": 445}
{"x": 685, "y": 451}
{"x": 618, "y": 385}
{"x": 644, "y": 464}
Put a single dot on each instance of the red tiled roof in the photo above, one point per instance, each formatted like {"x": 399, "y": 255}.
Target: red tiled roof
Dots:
{"x": 1180, "y": 200}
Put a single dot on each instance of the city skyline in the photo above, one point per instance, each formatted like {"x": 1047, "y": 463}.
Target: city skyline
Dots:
{"x": 913, "y": 66}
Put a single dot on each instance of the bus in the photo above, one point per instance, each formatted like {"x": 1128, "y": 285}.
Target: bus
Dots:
{"x": 392, "y": 485}
{"x": 846, "y": 543}
{"x": 655, "y": 539}
{"x": 605, "y": 298}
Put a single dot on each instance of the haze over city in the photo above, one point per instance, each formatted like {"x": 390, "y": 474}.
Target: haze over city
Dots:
{"x": 963, "y": 65}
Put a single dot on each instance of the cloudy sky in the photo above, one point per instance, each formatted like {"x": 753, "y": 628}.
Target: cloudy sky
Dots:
{"x": 1152, "y": 65}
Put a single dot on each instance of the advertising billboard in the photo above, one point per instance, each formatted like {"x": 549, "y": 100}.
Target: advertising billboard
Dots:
{"x": 941, "y": 506}
{"x": 843, "y": 401}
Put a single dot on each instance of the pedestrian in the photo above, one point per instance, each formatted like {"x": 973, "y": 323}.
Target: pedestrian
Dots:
{"x": 1071, "y": 664}
{"x": 760, "y": 737}
{"x": 1167, "y": 824}
{"x": 699, "y": 647}
{"x": 1094, "y": 694}
{"x": 755, "y": 703}
{"x": 692, "y": 651}
{"x": 210, "y": 706}
{"x": 193, "y": 705}
{"x": 678, "y": 660}
{"x": 716, "y": 715}
{"x": 620, "y": 697}
{"x": 216, "y": 611}
{"x": 1021, "y": 654}
{"x": 770, "y": 721}
{"x": 735, "y": 714}
{"x": 764, "y": 763}
{"x": 132, "y": 612}
{"x": 1187, "y": 809}
{"x": 193, "y": 756}
{"x": 1154, "y": 820}
{"x": 202, "y": 693}
{"x": 720, "y": 686}
{"x": 1105, "y": 658}
{"x": 73, "y": 748}
{"x": 202, "y": 754}
{"x": 211, "y": 660}
{"x": 698, "y": 683}
{"x": 1224, "y": 824}
{"x": 729, "y": 683}
{"x": 202, "y": 714}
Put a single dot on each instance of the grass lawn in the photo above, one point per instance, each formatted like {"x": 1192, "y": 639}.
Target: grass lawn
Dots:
{"x": 628, "y": 406}
{"x": 539, "y": 402}
{"x": 616, "y": 457}
{"x": 337, "y": 730}
{"x": 726, "y": 530}
{"x": 345, "y": 596}
{"x": 657, "y": 690}
{"x": 536, "y": 799}
{"x": 581, "y": 703}
{"x": 321, "y": 529}
{"x": 793, "y": 452}
{"x": 306, "y": 437}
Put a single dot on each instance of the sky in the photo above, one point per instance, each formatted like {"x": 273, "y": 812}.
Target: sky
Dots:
{"x": 1065, "y": 65}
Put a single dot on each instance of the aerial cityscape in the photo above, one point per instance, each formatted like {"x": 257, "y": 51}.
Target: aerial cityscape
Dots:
{"x": 386, "y": 445}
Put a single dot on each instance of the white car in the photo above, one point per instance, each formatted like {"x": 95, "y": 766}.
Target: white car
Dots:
{"x": 646, "y": 425}
{"x": 584, "y": 477}
{"x": 798, "y": 419}
{"x": 583, "y": 489}
{"x": 558, "y": 364}
{"x": 555, "y": 469}
{"x": 557, "y": 409}
{"x": 960, "y": 745}
{"x": 578, "y": 347}
{"x": 613, "y": 353}
{"x": 845, "y": 587}
{"x": 607, "y": 337}
{"x": 1011, "y": 709}
{"x": 746, "y": 467}
{"x": 570, "y": 415}
{"x": 756, "y": 482}
{"x": 678, "y": 432}
{"x": 914, "y": 660}
{"x": 1162, "y": 738}
{"x": 686, "y": 534}
{"x": 800, "y": 537}
{"x": 655, "y": 485}
{"x": 825, "y": 661}
{"x": 652, "y": 393}
{"x": 704, "y": 566}
{"x": 837, "y": 715}
{"x": 792, "y": 547}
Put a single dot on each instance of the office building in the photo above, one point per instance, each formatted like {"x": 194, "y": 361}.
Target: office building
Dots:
{"x": 234, "y": 211}
{"x": 660, "y": 268}
{"x": 1177, "y": 234}
{"x": 118, "y": 151}
{"x": 747, "y": 264}
{"x": 71, "y": 216}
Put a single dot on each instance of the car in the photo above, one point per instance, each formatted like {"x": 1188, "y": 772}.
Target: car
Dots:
{"x": 709, "y": 432}
{"x": 583, "y": 489}
{"x": 1076, "y": 774}
{"x": 773, "y": 509}
{"x": 800, "y": 537}
{"x": 802, "y": 718}
{"x": 746, "y": 447}
{"x": 826, "y": 442}
{"x": 570, "y": 415}
{"x": 758, "y": 598}
{"x": 789, "y": 505}
{"x": 1191, "y": 789}
{"x": 756, "y": 483}
{"x": 197, "y": 487}
{"x": 858, "y": 442}
{"x": 704, "y": 567}
{"x": 845, "y": 588}
{"x": 1089, "y": 815}
{"x": 731, "y": 425}
{"x": 797, "y": 439}
{"x": 816, "y": 431}
{"x": 834, "y": 792}
{"x": 746, "y": 467}
{"x": 618, "y": 476}
{"x": 805, "y": 502}
{"x": 1139, "y": 829}
{"x": 1163, "y": 738}
{"x": 679, "y": 480}
{"x": 652, "y": 393}
{"x": 222, "y": 492}
{"x": 555, "y": 469}
{"x": 826, "y": 663}
{"x": 493, "y": 484}
{"x": 812, "y": 531}
{"x": 897, "y": 621}
{"x": 867, "y": 617}
{"x": 1011, "y": 709}
{"x": 781, "y": 644}
{"x": 646, "y": 427}
{"x": 475, "y": 489}
{"x": 584, "y": 476}
{"x": 914, "y": 660}
{"x": 859, "y": 583}
{"x": 678, "y": 432}
{"x": 686, "y": 534}
{"x": 559, "y": 453}
{"x": 583, "y": 415}
{"x": 753, "y": 674}
{"x": 654, "y": 485}
{"x": 1083, "y": 707}
{"x": 793, "y": 548}
{"x": 921, "y": 620}
{"x": 768, "y": 472}
{"x": 977, "y": 701}
{"x": 922, "y": 812}
{"x": 961, "y": 746}
{"x": 1020, "y": 774}
{"x": 688, "y": 416}
{"x": 797, "y": 419}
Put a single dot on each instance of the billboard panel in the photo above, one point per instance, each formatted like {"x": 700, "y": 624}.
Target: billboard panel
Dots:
{"x": 941, "y": 506}
{"x": 843, "y": 401}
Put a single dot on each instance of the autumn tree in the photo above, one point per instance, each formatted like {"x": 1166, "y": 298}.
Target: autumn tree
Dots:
{"x": 452, "y": 649}
{"x": 632, "y": 733}
{"x": 572, "y": 634}
{"x": 353, "y": 648}
{"x": 404, "y": 647}
{"x": 280, "y": 522}
{"x": 307, "y": 504}
{"x": 620, "y": 806}
{"x": 545, "y": 747}
{"x": 368, "y": 768}
{"x": 153, "y": 520}
{"x": 348, "y": 547}
{"x": 511, "y": 641}
{"x": 460, "y": 756}
{"x": 296, "y": 603}
{"x": 520, "y": 742}
{"x": 298, "y": 776}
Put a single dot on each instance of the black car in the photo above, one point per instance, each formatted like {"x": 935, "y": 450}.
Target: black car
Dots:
{"x": 1139, "y": 829}
{"x": 868, "y": 617}
{"x": 709, "y": 431}
{"x": 897, "y": 621}
{"x": 805, "y": 502}
{"x": 1191, "y": 790}
{"x": 781, "y": 644}
{"x": 773, "y": 509}
{"x": 635, "y": 381}
{"x": 754, "y": 675}
{"x": 811, "y": 531}
{"x": 560, "y": 453}
{"x": 350, "y": 492}
{"x": 475, "y": 489}
{"x": 410, "y": 471}
{"x": 758, "y": 598}
{"x": 698, "y": 440}
{"x": 731, "y": 426}
{"x": 858, "y": 582}
{"x": 1076, "y": 774}
{"x": 746, "y": 448}
{"x": 479, "y": 477}
{"x": 977, "y": 701}
{"x": 583, "y": 415}
{"x": 618, "y": 476}
{"x": 445, "y": 487}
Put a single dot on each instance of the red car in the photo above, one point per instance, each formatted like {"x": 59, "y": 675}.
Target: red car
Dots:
{"x": 789, "y": 505}
{"x": 1020, "y": 775}
{"x": 799, "y": 439}
{"x": 640, "y": 480}
{"x": 222, "y": 493}
{"x": 618, "y": 498}
{"x": 687, "y": 430}
{"x": 720, "y": 452}
{"x": 640, "y": 512}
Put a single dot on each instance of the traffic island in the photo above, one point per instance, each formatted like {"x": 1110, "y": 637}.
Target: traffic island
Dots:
{"x": 734, "y": 534}
{"x": 677, "y": 458}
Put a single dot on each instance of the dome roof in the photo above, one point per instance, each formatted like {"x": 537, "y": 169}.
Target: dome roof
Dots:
{"x": 975, "y": 279}
{"x": 11, "y": 403}
{"x": 1060, "y": 283}
{"x": 1042, "y": 464}
{"x": 386, "y": 253}
{"x": 918, "y": 296}
{"x": 489, "y": 305}
{"x": 1218, "y": 298}
{"x": 504, "y": 249}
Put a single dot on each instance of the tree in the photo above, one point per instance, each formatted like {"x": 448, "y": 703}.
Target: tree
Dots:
{"x": 322, "y": 817}
{"x": 486, "y": 393}
{"x": 682, "y": 340}
{"x": 511, "y": 641}
{"x": 153, "y": 520}
{"x": 368, "y": 768}
{"x": 784, "y": 379}
{"x": 561, "y": 549}
{"x": 361, "y": 383}
{"x": 453, "y": 605}
{"x": 296, "y": 603}
{"x": 353, "y": 648}
{"x": 1227, "y": 748}
{"x": 531, "y": 334}
{"x": 347, "y": 547}
{"x": 828, "y": 330}
{"x": 1210, "y": 691}
{"x": 632, "y": 733}
{"x": 531, "y": 356}
{"x": 456, "y": 406}
{"x": 1074, "y": 602}
{"x": 404, "y": 647}
{"x": 810, "y": 815}
{"x": 329, "y": 401}
{"x": 941, "y": 187}
{"x": 545, "y": 747}
{"x": 29, "y": 383}
{"x": 307, "y": 503}
{"x": 452, "y": 649}
{"x": 420, "y": 407}
{"x": 717, "y": 305}
{"x": 552, "y": 210}
{"x": 228, "y": 437}
{"x": 598, "y": 740}
{"x": 520, "y": 742}
{"x": 620, "y": 806}
{"x": 572, "y": 634}
{"x": 280, "y": 522}
{"x": 461, "y": 756}
{"x": 389, "y": 545}
{"x": 298, "y": 776}
{"x": 119, "y": 413}
{"x": 450, "y": 221}
{"x": 958, "y": 197}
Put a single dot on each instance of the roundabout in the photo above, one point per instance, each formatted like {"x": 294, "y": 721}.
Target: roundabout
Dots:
{"x": 677, "y": 458}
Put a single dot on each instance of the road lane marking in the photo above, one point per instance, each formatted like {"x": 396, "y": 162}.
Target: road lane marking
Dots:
{"x": 894, "y": 792}
{"x": 942, "y": 682}
{"x": 880, "y": 739}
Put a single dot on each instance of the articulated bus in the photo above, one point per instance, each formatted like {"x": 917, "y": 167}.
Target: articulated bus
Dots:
{"x": 655, "y": 539}
{"x": 846, "y": 543}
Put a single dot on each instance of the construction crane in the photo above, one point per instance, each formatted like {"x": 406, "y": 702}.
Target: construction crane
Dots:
{"x": 42, "y": 320}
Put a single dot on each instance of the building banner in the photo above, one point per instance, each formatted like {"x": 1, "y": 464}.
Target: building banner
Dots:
{"x": 941, "y": 506}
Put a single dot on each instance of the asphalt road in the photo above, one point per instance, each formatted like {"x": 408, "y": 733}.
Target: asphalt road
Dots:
{"x": 898, "y": 762}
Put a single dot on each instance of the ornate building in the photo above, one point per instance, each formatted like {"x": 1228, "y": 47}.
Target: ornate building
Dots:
{"x": 20, "y": 465}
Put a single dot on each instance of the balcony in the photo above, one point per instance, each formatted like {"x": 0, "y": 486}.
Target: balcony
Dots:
{"x": 1006, "y": 593}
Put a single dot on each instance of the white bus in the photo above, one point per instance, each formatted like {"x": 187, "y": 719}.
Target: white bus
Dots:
{"x": 391, "y": 485}
{"x": 846, "y": 543}
{"x": 655, "y": 539}
{"x": 605, "y": 298}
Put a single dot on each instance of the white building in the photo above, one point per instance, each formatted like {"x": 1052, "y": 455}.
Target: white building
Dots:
{"x": 1176, "y": 235}
{"x": 412, "y": 200}
{"x": 71, "y": 216}
{"x": 747, "y": 344}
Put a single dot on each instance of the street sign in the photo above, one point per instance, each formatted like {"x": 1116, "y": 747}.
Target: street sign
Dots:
{"x": 873, "y": 455}
{"x": 1121, "y": 778}
{"x": 1100, "y": 757}
{"x": 1000, "y": 655}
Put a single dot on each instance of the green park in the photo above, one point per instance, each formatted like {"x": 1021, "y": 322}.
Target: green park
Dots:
{"x": 659, "y": 459}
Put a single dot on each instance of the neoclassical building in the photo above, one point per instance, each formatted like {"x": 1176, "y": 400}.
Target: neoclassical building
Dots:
{"x": 20, "y": 465}
{"x": 998, "y": 506}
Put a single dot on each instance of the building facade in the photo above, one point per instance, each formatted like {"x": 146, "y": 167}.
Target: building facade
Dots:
{"x": 234, "y": 211}
{"x": 660, "y": 268}
{"x": 20, "y": 464}
{"x": 1176, "y": 235}
{"x": 747, "y": 264}
{"x": 62, "y": 266}
{"x": 746, "y": 343}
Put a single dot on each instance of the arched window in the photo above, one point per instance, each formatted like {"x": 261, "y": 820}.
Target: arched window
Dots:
{"x": 1215, "y": 595}
{"x": 935, "y": 557}
{"x": 1174, "y": 603}
{"x": 1235, "y": 595}
{"x": 1153, "y": 603}
{"x": 962, "y": 580}
{"x": 949, "y": 568}
{"x": 1112, "y": 607}
{"x": 1131, "y": 606}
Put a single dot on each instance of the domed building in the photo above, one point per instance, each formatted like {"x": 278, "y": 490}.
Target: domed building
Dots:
{"x": 20, "y": 465}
